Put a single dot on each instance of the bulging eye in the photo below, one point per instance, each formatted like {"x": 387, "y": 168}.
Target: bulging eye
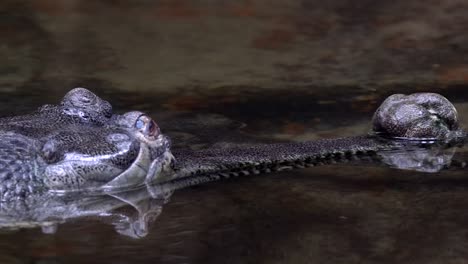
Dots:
{"x": 140, "y": 124}
{"x": 147, "y": 126}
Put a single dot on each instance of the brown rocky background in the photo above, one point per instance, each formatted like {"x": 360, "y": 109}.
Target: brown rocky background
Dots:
{"x": 206, "y": 45}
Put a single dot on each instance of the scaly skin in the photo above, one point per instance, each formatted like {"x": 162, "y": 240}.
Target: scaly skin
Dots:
{"x": 193, "y": 168}
{"x": 397, "y": 123}
{"x": 80, "y": 145}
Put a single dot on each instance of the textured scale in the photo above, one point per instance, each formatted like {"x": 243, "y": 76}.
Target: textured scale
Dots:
{"x": 80, "y": 144}
{"x": 214, "y": 164}
{"x": 20, "y": 169}
{"x": 77, "y": 144}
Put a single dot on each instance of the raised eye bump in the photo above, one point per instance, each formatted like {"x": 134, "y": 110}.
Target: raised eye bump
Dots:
{"x": 87, "y": 101}
{"x": 139, "y": 124}
{"x": 147, "y": 126}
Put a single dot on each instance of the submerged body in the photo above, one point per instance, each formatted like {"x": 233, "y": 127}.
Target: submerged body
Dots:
{"x": 81, "y": 145}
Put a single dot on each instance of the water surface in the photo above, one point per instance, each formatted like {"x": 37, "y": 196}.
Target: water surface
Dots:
{"x": 223, "y": 72}
{"x": 343, "y": 213}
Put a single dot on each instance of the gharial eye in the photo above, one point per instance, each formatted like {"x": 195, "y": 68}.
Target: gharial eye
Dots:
{"x": 147, "y": 126}
{"x": 140, "y": 124}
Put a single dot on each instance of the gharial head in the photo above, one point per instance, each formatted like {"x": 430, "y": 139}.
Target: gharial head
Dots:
{"x": 418, "y": 116}
{"x": 86, "y": 146}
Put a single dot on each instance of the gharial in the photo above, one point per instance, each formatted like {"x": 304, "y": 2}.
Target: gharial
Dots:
{"x": 81, "y": 144}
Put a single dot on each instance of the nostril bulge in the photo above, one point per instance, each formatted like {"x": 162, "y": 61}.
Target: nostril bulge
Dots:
{"x": 421, "y": 115}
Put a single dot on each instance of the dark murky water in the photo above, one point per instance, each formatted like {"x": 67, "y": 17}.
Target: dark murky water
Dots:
{"x": 348, "y": 213}
{"x": 215, "y": 72}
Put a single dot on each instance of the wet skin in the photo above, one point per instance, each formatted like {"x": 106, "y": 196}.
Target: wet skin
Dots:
{"x": 80, "y": 144}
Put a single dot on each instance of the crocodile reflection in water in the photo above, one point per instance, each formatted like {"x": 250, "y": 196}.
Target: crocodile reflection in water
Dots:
{"x": 143, "y": 205}
{"x": 80, "y": 145}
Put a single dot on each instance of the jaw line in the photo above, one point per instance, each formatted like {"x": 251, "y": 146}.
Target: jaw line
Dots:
{"x": 145, "y": 169}
{"x": 134, "y": 175}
